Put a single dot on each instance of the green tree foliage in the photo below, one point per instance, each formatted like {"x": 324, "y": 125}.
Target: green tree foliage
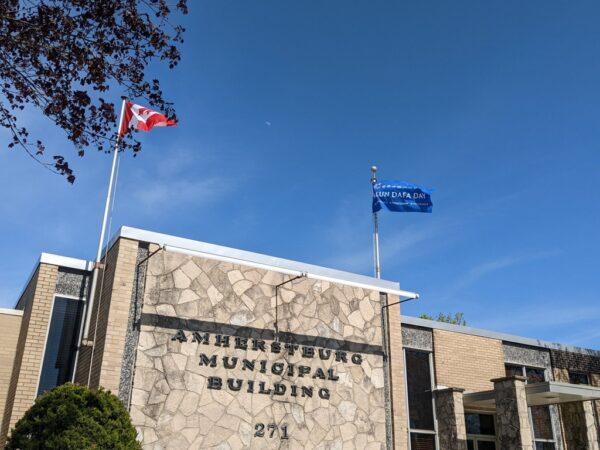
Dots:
{"x": 455, "y": 319}
{"x": 72, "y": 417}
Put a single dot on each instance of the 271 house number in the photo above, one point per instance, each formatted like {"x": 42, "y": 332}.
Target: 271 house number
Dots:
{"x": 259, "y": 430}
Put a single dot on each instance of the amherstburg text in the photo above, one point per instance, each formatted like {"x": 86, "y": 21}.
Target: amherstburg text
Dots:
{"x": 278, "y": 368}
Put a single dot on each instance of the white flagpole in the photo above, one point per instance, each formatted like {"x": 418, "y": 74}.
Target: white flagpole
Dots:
{"x": 90, "y": 302}
{"x": 376, "y": 261}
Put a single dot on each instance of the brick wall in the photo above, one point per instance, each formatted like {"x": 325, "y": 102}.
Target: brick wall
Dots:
{"x": 399, "y": 410}
{"x": 22, "y": 391}
{"x": 465, "y": 361}
{"x": 10, "y": 324}
{"x": 108, "y": 326}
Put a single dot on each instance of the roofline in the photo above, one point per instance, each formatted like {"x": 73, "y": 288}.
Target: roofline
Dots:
{"x": 65, "y": 261}
{"x": 56, "y": 260}
{"x": 229, "y": 254}
{"x": 509, "y": 338}
{"x": 11, "y": 312}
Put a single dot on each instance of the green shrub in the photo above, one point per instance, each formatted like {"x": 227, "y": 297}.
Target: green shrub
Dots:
{"x": 72, "y": 417}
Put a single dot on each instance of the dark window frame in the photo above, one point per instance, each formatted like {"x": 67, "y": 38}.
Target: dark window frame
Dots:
{"x": 58, "y": 341}
{"x": 418, "y": 431}
{"x": 574, "y": 374}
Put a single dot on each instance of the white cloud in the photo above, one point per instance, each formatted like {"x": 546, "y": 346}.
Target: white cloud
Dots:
{"x": 166, "y": 193}
{"x": 401, "y": 246}
{"x": 560, "y": 322}
{"x": 481, "y": 270}
{"x": 547, "y": 315}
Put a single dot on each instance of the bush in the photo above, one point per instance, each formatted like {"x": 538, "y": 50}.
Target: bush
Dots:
{"x": 75, "y": 417}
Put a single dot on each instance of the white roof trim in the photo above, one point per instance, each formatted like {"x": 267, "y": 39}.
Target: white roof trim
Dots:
{"x": 65, "y": 261}
{"x": 545, "y": 393}
{"x": 510, "y": 338}
{"x": 11, "y": 312}
{"x": 397, "y": 292}
{"x": 56, "y": 260}
{"x": 249, "y": 258}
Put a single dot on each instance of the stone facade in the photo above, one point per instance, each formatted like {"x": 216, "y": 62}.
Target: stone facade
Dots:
{"x": 580, "y": 427}
{"x": 212, "y": 373}
{"x": 523, "y": 355}
{"x": 512, "y": 415}
{"x": 10, "y": 324}
{"x": 74, "y": 283}
{"x": 417, "y": 338}
{"x": 467, "y": 361}
{"x": 526, "y": 356}
{"x": 450, "y": 412}
{"x": 133, "y": 328}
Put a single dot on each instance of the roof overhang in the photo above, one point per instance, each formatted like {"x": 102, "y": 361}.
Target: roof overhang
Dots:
{"x": 546, "y": 393}
{"x": 228, "y": 254}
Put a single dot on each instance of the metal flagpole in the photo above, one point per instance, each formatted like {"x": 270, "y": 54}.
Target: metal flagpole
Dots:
{"x": 97, "y": 264}
{"x": 376, "y": 261}
{"x": 384, "y": 328}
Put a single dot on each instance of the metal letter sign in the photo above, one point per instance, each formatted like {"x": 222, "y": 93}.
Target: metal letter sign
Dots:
{"x": 400, "y": 196}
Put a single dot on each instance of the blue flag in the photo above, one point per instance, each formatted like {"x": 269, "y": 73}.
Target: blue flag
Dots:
{"x": 400, "y": 196}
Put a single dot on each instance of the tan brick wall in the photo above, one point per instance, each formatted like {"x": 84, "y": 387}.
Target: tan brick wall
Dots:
{"x": 399, "y": 409}
{"x": 111, "y": 313}
{"x": 561, "y": 375}
{"x": 10, "y": 324}
{"x": 30, "y": 348}
{"x": 467, "y": 361}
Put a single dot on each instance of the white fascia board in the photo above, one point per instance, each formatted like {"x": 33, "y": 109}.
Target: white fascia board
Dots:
{"x": 56, "y": 260}
{"x": 398, "y": 292}
{"x": 11, "y": 312}
{"x": 65, "y": 261}
{"x": 269, "y": 262}
{"x": 509, "y": 338}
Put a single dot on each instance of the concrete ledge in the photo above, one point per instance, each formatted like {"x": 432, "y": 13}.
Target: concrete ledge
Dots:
{"x": 511, "y": 378}
{"x": 450, "y": 389}
{"x": 11, "y": 312}
{"x": 505, "y": 337}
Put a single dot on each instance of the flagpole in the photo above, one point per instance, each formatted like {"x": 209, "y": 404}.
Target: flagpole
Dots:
{"x": 97, "y": 264}
{"x": 376, "y": 261}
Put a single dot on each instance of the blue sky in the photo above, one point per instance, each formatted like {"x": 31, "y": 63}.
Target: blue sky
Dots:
{"x": 285, "y": 105}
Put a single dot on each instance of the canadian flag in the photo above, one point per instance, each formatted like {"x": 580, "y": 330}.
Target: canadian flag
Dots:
{"x": 142, "y": 118}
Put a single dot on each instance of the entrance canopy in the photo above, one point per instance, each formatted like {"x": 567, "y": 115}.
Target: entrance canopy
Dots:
{"x": 546, "y": 393}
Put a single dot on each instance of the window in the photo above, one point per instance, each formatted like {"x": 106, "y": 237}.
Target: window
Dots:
{"x": 481, "y": 431}
{"x": 578, "y": 378}
{"x": 482, "y": 424}
{"x": 422, "y": 441}
{"x": 539, "y": 416}
{"x": 61, "y": 344}
{"x": 419, "y": 387}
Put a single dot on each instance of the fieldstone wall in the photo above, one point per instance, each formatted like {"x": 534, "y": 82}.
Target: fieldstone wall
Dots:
{"x": 524, "y": 355}
{"x": 514, "y": 430}
{"x": 211, "y": 371}
{"x": 450, "y": 413}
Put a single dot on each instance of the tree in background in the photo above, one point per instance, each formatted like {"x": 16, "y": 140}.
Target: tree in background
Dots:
{"x": 72, "y": 417}
{"x": 456, "y": 319}
{"x": 62, "y": 56}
